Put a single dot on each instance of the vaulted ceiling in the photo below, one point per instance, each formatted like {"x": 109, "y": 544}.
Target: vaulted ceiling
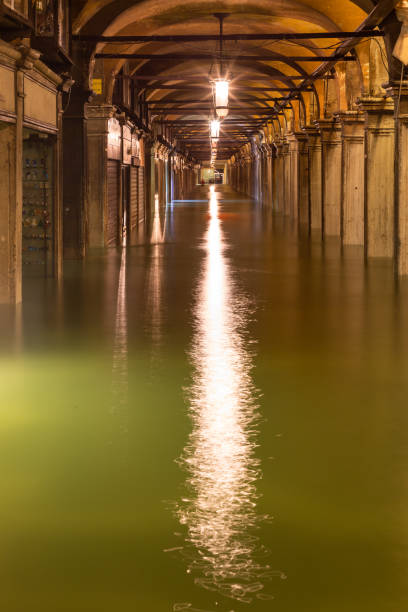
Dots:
{"x": 265, "y": 70}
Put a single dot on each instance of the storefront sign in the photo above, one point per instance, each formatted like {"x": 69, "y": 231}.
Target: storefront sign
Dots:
{"x": 7, "y": 90}
{"x": 97, "y": 86}
{"x": 40, "y": 103}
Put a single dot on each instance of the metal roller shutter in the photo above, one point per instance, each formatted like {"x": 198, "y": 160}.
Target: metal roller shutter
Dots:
{"x": 133, "y": 191}
{"x": 141, "y": 196}
{"x": 112, "y": 226}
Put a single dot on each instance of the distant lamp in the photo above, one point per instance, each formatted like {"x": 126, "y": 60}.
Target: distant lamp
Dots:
{"x": 214, "y": 128}
{"x": 221, "y": 94}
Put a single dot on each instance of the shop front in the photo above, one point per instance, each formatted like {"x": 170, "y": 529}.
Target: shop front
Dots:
{"x": 30, "y": 182}
{"x": 136, "y": 192}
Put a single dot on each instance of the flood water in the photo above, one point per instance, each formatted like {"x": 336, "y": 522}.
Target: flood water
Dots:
{"x": 215, "y": 421}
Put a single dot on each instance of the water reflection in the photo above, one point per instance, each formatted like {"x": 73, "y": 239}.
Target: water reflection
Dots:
{"x": 154, "y": 287}
{"x": 219, "y": 511}
{"x": 120, "y": 367}
{"x": 157, "y": 236}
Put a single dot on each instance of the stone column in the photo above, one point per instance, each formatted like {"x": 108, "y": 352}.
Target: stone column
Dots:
{"x": 315, "y": 177}
{"x": 402, "y": 195}
{"x": 279, "y": 177}
{"x": 331, "y": 176}
{"x": 286, "y": 178}
{"x": 293, "y": 176}
{"x": 353, "y": 177}
{"x": 274, "y": 160}
{"x": 303, "y": 181}
{"x": 74, "y": 139}
{"x": 11, "y": 159}
{"x": 402, "y": 179}
{"x": 298, "y": 184}
{"x": 379, "y": 171}
{"x": 400, "y": 95}
{"x": 97, "y": 143}
{"x": 248, "y": 174}
{"x": 269, "y": 177}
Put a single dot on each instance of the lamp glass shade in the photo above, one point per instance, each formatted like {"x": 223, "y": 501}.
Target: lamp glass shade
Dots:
{"x": 221, "y": 98}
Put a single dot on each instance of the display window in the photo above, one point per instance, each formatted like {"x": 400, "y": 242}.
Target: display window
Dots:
{"x": 19, "y": 6}
{"x": 38, "y": 204}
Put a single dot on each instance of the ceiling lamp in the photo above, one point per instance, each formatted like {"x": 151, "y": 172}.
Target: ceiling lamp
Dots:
{"x": 221, "y": 97}
{"x": 221, "y": 85}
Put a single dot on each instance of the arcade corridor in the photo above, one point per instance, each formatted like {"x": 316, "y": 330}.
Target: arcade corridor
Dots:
{"x": 214, "y": 421}
{"x": 203, "y": 305}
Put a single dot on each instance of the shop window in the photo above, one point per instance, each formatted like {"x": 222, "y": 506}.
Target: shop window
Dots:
{"x": 38, "y": 204}
{"x": 51, "y": 22}
{"x": 19, "y": 6}
{"x": 44, "y": 17}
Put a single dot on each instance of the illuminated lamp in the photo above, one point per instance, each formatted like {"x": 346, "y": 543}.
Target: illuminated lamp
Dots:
{"x": 214, "y": 128}
{"x": 221, "y": 94}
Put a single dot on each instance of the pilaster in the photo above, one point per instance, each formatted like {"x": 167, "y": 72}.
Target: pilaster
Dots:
{"x": 315, "y": 176}
{"x": 298, "y": 187}
{"x": 74, "y": 138}
{"x": 97, "y": 144}
{"x": 279, "y": 177}
{"x": 331, "y": 176}
{"x": 353, "y": 177}
{"x": 379, "y": 173}
{"x": 400, "y": 94}
{"x": 303, "y": 184}
{"x": 286, "y": 206}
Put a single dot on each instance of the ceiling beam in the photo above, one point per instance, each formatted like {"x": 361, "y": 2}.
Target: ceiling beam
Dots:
{"x": 209, "y": 107}
{"x": 260, "y": 112}
{"x": 232, "y": 88}
{"x": 216, "y": 37}
{"x": 181, "y": 101}
{"x": 215, "y": 56}
{"x": 190, "y": 78}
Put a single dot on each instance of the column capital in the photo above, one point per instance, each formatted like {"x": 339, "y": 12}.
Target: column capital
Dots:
{"x": 330, "y": 130}
{"x": 376, "y": 104}
{"x": 296, "y": 135}
{"x": 327, "y": 124}
{"x": 352, "y": 125}
{"x": 311, "y": 130}
{"x": 350, "y": 116}
{"x": 99, "y": 111}
{"x": 396, "y": 89}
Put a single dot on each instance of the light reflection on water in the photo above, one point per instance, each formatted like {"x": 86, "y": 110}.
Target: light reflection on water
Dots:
{"x": 155, "y": 281}
{"x": 219, "y": 511}
{"x": 120, "y": 361}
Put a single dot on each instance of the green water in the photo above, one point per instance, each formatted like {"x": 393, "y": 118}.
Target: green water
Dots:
{"x": 216, "y": 421}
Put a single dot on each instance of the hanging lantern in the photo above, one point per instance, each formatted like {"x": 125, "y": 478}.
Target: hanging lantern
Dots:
{"x": 221, "y": 97}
